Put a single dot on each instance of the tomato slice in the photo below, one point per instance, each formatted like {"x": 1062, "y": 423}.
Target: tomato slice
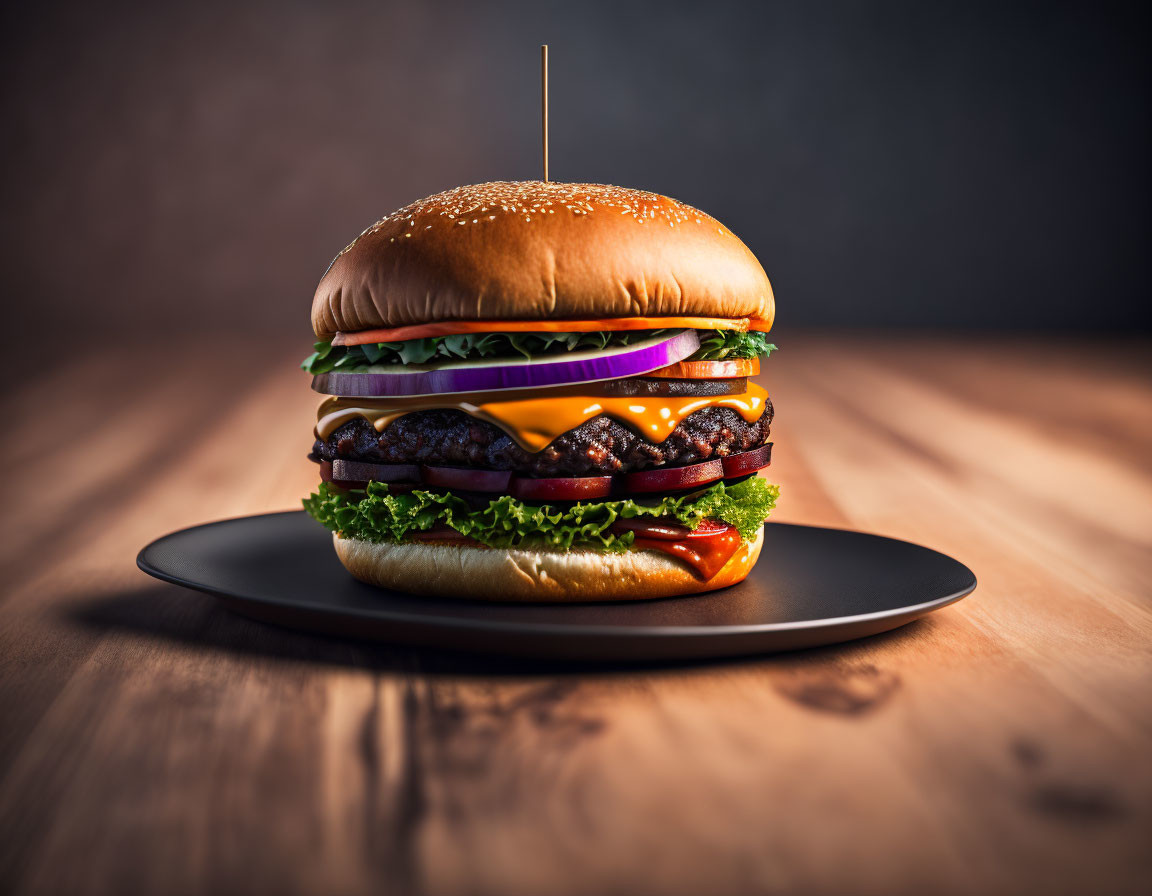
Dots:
{"x": 708, "y": 370}
{"x": 466, "y": 479}
{"x": 669, "y": 479}
{"x": 355, "y": 471}
{"x": 747, "y": 461}
{"x": 452, "y": 327}
{"x": 575, "y": 488}
{"x": 344, "y": 483}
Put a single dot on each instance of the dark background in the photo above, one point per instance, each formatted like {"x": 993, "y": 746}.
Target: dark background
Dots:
{"x": 196, "y": 165}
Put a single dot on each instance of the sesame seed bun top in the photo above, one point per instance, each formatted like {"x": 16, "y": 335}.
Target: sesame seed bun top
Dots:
{"x": 532, "y": 250}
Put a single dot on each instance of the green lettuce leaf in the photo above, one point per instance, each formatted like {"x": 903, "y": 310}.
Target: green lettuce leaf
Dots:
{"x": 377, "y": 515}
{"x": 715, "y": 345}
{"x": 727, "y": 345}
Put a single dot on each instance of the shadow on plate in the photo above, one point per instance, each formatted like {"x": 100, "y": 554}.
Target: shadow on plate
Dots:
{"x": 186, "y": 617}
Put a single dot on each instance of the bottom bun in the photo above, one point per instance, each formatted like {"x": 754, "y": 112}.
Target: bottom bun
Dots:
{"x": 501, "y": 574}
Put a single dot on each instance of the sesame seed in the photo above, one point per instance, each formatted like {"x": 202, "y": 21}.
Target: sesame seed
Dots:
{"x": 528, "y": 198}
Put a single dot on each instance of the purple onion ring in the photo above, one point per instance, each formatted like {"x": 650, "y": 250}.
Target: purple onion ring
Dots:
{"x": 586, "y": 367}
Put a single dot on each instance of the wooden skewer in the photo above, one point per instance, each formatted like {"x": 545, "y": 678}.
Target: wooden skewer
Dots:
{"x": 544, "y": 104}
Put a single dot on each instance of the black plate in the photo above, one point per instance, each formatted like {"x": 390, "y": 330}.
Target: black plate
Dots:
{"x": 812, "y": 586}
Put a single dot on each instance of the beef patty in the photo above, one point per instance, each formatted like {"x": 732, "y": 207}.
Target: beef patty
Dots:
{"x": 600, "y": 445}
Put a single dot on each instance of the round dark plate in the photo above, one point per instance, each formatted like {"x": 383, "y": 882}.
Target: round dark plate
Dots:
{"x": 812, "y": 586}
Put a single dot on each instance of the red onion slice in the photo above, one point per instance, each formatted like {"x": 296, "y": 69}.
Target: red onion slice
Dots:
{"x": 588, "y": 366}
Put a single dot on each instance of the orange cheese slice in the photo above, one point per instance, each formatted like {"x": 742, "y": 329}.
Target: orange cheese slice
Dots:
{"x": 452, "y": 327}
{"x": 535, "y": 419}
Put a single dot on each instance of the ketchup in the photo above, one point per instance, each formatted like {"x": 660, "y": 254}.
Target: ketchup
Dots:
{"x": 705, "y": 549}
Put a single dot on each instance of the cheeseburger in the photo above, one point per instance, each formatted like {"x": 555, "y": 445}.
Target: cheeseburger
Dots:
{"x": 540, "y": 392}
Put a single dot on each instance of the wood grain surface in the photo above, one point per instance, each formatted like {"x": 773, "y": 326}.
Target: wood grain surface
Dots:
{"x": 152, "y": 742}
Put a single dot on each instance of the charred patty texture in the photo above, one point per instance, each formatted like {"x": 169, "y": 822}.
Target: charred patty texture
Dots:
{"x": 600, "y": 445}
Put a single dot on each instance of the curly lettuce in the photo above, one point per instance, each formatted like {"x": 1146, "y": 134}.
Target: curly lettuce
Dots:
{"x": 728, "y": 345}
{"x": 377, "y": 515}
{"x": 715, "y": 345}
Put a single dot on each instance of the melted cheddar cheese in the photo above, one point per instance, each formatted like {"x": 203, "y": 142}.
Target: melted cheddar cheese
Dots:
{"x": 535, "y": 419}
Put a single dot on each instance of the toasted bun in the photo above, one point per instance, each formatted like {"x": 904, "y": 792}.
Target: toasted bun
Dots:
{"x": 546, "y": 576}
{"x": 547, "y": 251}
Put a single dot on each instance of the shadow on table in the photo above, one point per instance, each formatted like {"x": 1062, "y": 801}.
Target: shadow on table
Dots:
{"x": 184, "y": 617}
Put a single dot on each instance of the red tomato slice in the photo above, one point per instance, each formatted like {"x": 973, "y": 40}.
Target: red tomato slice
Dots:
{"x": 452, "y": 327}
{"x": 708, "y": 370}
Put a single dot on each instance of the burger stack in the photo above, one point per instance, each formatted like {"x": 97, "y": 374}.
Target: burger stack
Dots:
{"x": 541, "y": 392}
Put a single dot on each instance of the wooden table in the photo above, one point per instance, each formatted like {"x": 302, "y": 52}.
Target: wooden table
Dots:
{"x": 151, "y": 742}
